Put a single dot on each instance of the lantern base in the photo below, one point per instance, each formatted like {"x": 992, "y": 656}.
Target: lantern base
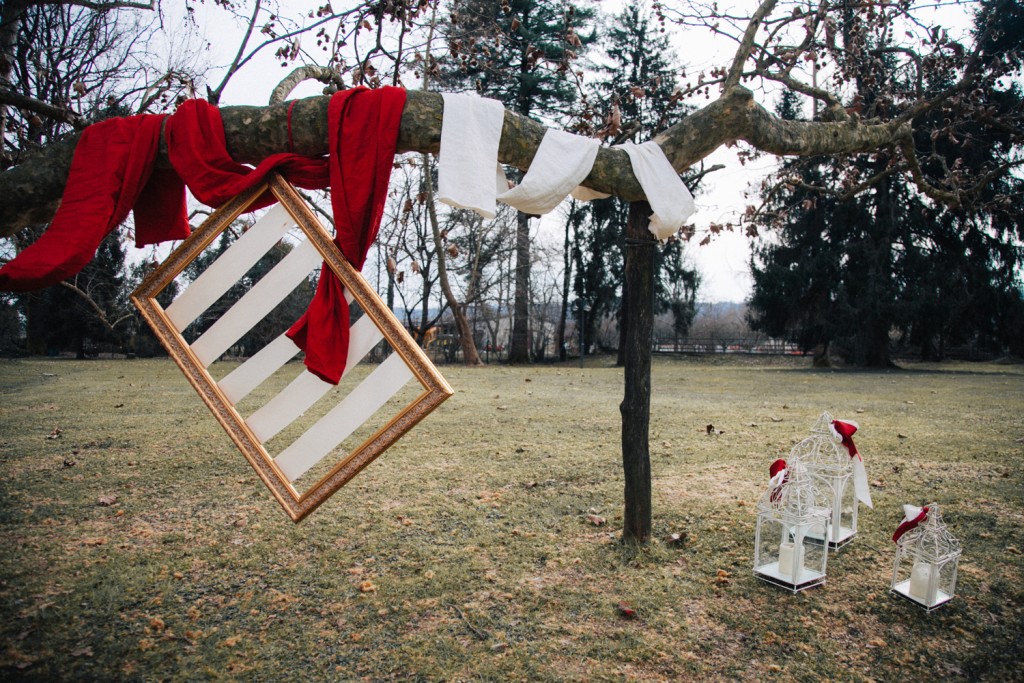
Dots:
{"x": 837, "y": 539}
{"x": 903, "y": 590}
{"x": 807, "y": 578}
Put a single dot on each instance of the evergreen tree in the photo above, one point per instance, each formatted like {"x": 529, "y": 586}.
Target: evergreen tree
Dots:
{"x": 883, "y": 266}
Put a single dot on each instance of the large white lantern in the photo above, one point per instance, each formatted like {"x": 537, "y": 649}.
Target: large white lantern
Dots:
{"x": 831, "y": 465}
{"x": 790, "y": 516}
{"x": 927, "y": 556}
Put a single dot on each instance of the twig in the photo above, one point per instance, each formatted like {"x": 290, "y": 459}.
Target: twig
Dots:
{"x": 482, "y": 635}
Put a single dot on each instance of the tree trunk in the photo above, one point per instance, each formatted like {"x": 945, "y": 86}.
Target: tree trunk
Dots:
{"x": 563, "y": 351}
{"x": 467, "y": 342}
{"x": 519, "y": 350}
{"x": 636, "y": 404}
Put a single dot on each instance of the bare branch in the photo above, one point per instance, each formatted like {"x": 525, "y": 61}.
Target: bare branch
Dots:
{"x": 746, "y": 45}
{"x": 43, "y": 108}
{"x": 310, "y": 72}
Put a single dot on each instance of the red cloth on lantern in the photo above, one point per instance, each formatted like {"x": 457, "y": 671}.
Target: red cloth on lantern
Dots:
{"x": 111, "y": 169}
{"x": 362, "y": 136}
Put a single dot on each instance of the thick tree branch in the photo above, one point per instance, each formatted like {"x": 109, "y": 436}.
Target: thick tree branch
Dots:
{"x": 32, "y": 190}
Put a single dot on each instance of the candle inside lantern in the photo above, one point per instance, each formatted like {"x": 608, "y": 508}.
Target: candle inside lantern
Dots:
{"x": 920, "y": 577}
{"x": 791, "y": 561}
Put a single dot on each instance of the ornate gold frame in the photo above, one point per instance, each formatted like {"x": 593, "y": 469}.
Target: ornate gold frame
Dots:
{"x": 435, "y": 388}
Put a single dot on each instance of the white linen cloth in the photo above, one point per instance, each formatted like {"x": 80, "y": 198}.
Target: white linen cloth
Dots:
{"x": 671, "y": 202}
{"x": 562, "y": 161}
{"x": 470, "y": 177}
{"x": 470, "y": 133}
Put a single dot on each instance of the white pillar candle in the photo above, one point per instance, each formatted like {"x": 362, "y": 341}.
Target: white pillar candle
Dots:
{"x": 791, "y": 560}
{"x": 920, "y": 577}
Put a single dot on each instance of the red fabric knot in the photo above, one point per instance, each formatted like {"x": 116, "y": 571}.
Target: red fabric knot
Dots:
{"x": 912, "y": 517}
{"x": 362, "y": 136}
{"x": 845, "y": 431}
{"x": 779, "y": 478}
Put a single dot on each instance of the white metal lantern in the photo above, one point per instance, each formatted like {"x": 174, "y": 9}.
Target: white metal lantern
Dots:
{"x": 927, "y": 556}
{"x": 790, "y": 515}
{"x": 831, "y": 467}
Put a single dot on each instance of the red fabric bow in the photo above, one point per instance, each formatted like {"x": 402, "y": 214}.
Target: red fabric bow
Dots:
{"x": 779, "y": 477}
{"x": 911, "y": 519}
{"x": 846, "y": 430}
{"x": 112, "y": 171}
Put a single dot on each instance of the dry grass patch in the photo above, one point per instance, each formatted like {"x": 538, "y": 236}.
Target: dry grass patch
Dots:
{"x": 139, "y": 545}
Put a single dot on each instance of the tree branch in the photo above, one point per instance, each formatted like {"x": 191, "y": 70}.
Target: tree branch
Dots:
{"x": 43, "y": 108}
{"x": 732, "y": 79}
{"x": 309, "y": 72}
{"x": 32, "y": 190}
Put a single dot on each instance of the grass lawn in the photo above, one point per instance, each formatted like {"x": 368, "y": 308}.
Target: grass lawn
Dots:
{"x": 138, "y": 544}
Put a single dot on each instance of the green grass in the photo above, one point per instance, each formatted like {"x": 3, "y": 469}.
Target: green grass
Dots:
{"x": 465, "y": 552}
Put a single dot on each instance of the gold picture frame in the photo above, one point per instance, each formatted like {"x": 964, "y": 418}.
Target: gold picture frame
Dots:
{"x": 434, "y": 388}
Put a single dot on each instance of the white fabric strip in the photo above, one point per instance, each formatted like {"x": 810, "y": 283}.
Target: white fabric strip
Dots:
{"x": 561, "y": 163}
{"x": 229, "y": 267}
{"x": 671, "y": 202}
{"x": 338, "y": 424}
{"x": 470, "y": 133}
{"x": 258, "y": 368}
{"x": 307, "y": 388}
{"x": 261, "y": 365}
{"x": 257, "y": 302}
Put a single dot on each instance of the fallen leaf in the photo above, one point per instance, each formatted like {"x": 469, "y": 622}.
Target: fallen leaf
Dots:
{"x": 97, "y": 540}
{"x": 367, "y": 587}
{"x": 596, "y": 520}
{"x": 876, "y": 642}
{"x": 710, "y": 429}
{"x": 82, "y": 652}
{"x": 878, "y": 484}
{"x": 901, "y": 436}
{"x": 232, "y": 641}
{"x": 106, "y": 501}
{"x": 625, "y": 611}
{"x": 776, "y": 419}
{"x": 55, "y": 434}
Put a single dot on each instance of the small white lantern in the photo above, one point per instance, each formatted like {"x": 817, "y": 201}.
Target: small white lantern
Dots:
{"x": 790, "y": 515}
{"x": 927, "y": 556}
{"x": 831, "y": 467}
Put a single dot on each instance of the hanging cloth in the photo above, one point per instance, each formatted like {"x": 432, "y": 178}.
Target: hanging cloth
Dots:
{"x": 111, "y": 169}
{"x": 470, "y": 177}
{"x": 671, "y": 202}
{"x": 362, "y": 135}
{"x": 198, "y": 151}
